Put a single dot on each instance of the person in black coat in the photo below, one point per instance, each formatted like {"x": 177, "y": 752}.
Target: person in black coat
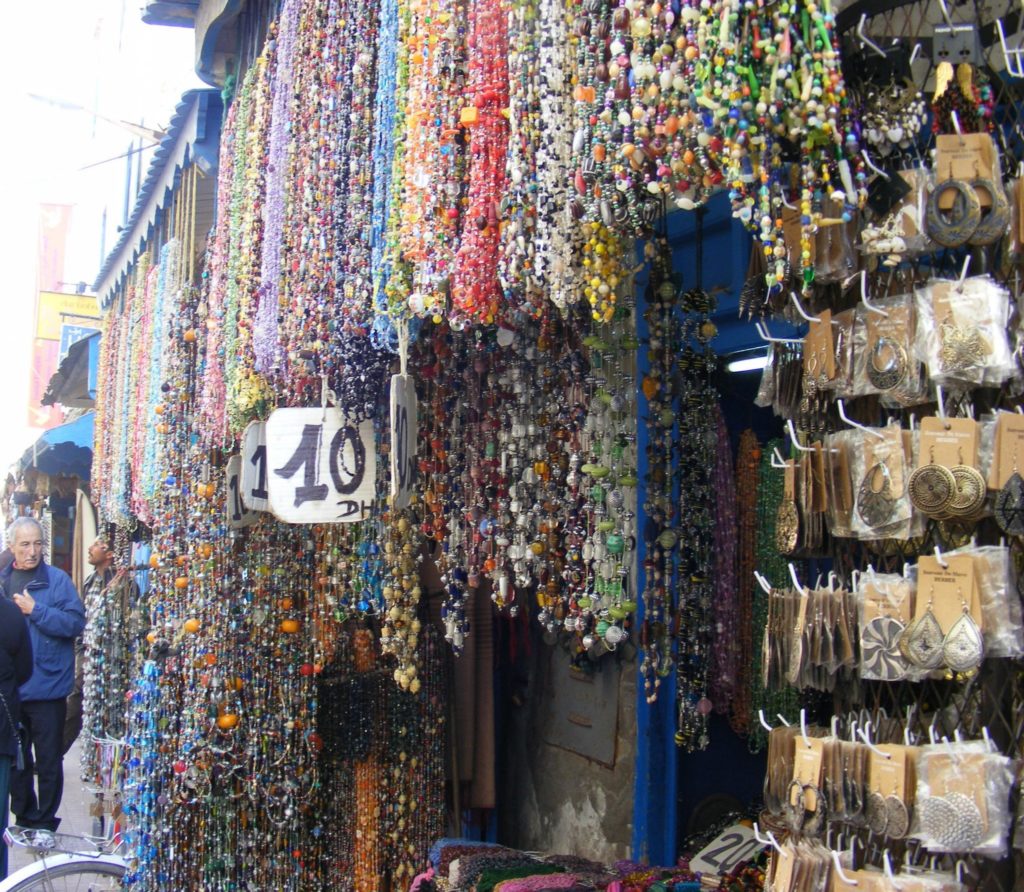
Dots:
{"x": 15, "y": 670}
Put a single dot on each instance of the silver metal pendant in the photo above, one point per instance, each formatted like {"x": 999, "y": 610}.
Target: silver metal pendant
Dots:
{"x": 922, "y": 642}
{"x": 964, "y": 647}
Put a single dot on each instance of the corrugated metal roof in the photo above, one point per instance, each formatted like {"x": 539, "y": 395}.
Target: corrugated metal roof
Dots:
{"x": 193, "y": 135}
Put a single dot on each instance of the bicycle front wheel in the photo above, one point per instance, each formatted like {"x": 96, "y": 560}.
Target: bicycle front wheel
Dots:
{"x": 68, "y": 873}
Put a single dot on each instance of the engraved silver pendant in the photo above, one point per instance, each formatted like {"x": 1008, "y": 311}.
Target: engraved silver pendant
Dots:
{"x": 922, "y": 642}
{"x": 964, "y": 647}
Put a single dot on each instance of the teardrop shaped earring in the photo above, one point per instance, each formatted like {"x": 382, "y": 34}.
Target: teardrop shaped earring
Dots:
{"x": 922, "y": 641}
{"x": 1009, "y": 504}
{"x": 963, "y": 648}
{"x": 875, "y": 506}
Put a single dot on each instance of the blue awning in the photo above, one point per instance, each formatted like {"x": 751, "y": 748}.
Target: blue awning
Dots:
{"x": 65, "y": 449}
{"x": 73, "y": 385}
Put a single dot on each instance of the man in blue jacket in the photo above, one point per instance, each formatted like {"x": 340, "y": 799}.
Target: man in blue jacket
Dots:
{"x": 47, "y": 598}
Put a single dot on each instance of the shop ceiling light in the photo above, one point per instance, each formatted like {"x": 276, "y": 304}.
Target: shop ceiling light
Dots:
{"x": 748, "y": 363}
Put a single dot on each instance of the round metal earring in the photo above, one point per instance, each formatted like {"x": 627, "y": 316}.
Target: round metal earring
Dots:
{"x": 795, "y": 806}
{"x": 898, "y": 817}
{"x": 958, "y": 226}
{"x": 887, "y": 374}
{"x": 876, "y": 813}
{"x": 931, "y": 487}
{"x": 970, "y": 490}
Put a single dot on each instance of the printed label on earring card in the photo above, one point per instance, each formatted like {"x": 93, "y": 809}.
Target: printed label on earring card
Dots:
{"x": 967, "y": 157}
{"x": 780, "y": 873}
{"x": 887, "y": 771}
{"x": 807, "y": 763}
{"x": 895, "y": 326}
{"x": 1008, "y": 448}
{"x": 1019, "y": 196}
{"x": 949, "y": 443}
{"x": 819, "y": 350}
{"x": 887, "y": 449}
{"x": 948, "y": 588}
{"x": 840, "y": 488}
{"x": 819, "y": 496}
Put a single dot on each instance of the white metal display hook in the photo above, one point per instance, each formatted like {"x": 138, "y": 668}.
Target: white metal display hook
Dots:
{"x": 841, "y": 873}
{"x": 867, "y": 41}
{"x": 940, "y": 401}
{"x": 793, "y": 437}
{"x": 1014, "y": 68}
{"x": 768, "y": 338}
{"x": 871, "y": 164}
{"x": 770, "y": 840}
{"x": 861, "y": 427}
{"x": 956, "y": 123}
{"x": 800, "y": 309}
{"x": 887, "y": 867}
{"x": 777, "y": 460}
{"x": 795, "y": 578}
{"x": 803, "y": 728}
{"x": 940, "y": 558}
{"x": 866, "y": 737}
{"x": 945, "y": 12}
{"x": 963, "y": 274}
{"x": 763, "y": 582}
{"x": 864, "y": 299}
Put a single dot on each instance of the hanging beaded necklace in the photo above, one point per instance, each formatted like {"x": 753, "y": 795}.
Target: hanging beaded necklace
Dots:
{"x": 475, "y": 289}
{"x": 660, "y": 536}
{"x": 748, "y": 457}
{"x": 693, "y": 622}
{"x": 268, "y": 357}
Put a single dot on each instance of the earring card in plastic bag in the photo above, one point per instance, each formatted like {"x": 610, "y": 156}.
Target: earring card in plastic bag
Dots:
{"x": 961, "y": 331}
{"x": 1007, "y": 450}
{"x": 946, "y": 590}
{"x": 949, "y": 442}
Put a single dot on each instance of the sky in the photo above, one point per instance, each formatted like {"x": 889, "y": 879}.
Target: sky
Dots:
{"x": 96, "y": 54}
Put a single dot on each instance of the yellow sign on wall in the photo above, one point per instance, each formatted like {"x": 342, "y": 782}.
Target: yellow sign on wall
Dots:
{"x": 55, "y": 308}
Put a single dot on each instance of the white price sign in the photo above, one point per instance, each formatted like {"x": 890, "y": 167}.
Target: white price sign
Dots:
{"x": 238, "y": 515}
{"x": 404, "y": 432}
{"x": 321, "y": 466}
{"x": 731, "y": 847}
{"x": 254, "y": 467}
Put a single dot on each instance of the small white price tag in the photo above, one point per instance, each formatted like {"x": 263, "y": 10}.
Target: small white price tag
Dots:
{"x": 321, "y": 466}
{"x": 731, "y": 847}
{"x": 404, "y": 432}
{"x": 254, "y": 467}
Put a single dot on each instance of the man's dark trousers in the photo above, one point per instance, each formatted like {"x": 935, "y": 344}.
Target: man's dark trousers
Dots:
{"x": 44, "y": 755}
